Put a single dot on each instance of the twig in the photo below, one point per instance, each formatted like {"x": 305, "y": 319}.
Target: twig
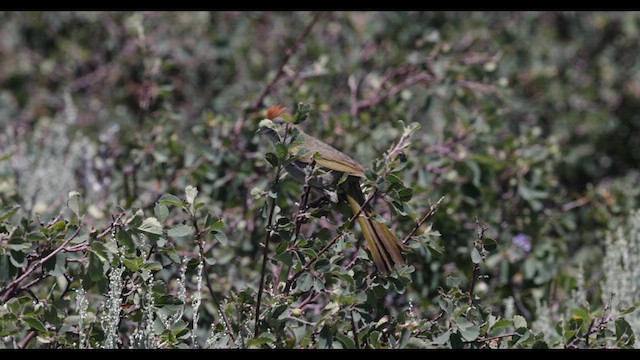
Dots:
{"x": 312, "y": 297}
{"x": 306, "y": 267}
{"x": 355, "y": 331}
{"x": 301, "y": 320}
{"x": 288, "y": 54}
{"x": 377, "y": 98}
{"x": 304, "y": 199}
{"x": 424, "y": 219}
{"x": 23, "y": 344}
{"x": 492, "y": 338}
{"x": 209, "y": 287}
{"x": 9, "y": 291}
{"x": 476, "y": 267}
{"x": 597, "y": 324}
{"x": 268, "y": 235}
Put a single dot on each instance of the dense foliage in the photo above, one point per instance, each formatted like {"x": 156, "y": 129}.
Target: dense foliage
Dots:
{"x": 136, "y": 197}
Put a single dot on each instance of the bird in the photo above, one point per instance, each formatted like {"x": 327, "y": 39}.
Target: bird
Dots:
{"x": 332, "y": 164}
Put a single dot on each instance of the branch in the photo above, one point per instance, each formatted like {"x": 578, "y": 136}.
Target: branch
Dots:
{"x": 269, "y": 234}
{"x": 476, "y": 267}
{"x": 424, "y": 219}
{"x": 304, "y": 199}
{"x": 597, "y": 324}
{"x": 288, "y": 54}
{"x": 377, "y": 97}
{"x": 355, "y": 331}
{"x": 326, "y": 247}
{"x": 492, "y": 338}
{"x": 9, "y": 291}
{"x": 199, "y": 234}
{"x": 23, "y": 344}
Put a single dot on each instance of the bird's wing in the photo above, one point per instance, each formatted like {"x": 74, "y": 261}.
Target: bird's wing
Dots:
{"x": 328, "y": 157}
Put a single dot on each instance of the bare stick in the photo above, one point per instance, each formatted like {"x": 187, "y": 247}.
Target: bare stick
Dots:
{"x": 288, "y": 54}
{"x": 306, "y": 266}
{"x": 476, "y": 267}
{"x": 209, "y": 287}
{"x": 424, "y": 219}
{"x": 269, "y": 234}
{"x": 10, "y": 289}
{"x": 355, "y": 331}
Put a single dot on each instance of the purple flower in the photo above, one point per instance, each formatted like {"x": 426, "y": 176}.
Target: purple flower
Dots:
{"x": 523, "y": 241}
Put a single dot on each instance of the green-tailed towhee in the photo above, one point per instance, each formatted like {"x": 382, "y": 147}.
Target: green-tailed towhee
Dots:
{"x": 332, "y": 164}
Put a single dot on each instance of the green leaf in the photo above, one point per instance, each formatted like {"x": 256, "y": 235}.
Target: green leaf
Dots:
{"x": 456, "y": 341}
{"x": 281, "y": 151}
{"x": 221, "y": 237}
{"x": 151, "y": 225}
{"x": 18, "y": 259}
{"x": 582, "y": 313}
{"x": 346, "y": 341}
{"x": 34, "y": 323}
{"x": 404, "y": 339}
{"x": 191, "y": 193}
{"x": 304, "y": 282}
{"x": 5, "y": 214}
{"x": 471, "y": 333}
{"x": 374, "y": 339}
{"x": 628, "y": 311}
{"x": 36, "y": 236}
{"x": 170, "y": 199}
{"x": 540, "y": 345}
{"x": 405, "y": 194}
{"x": 133, "y": 264}
{"x": 264, "y": 338}
{"x": 124, "y": 238}
{"x": 489, "y": 244}
{"x": 475, "y": 256}
{"x": 152, "y": 266}
{"x": 623, "y": 328}
{"x": 416, "y": 343}
{"x": 502, "y": 323}
{"x": 285, "y": 258}
{"x": 213, "y": 222}
{"x": 442, "y": 338}
{"x": 180, "y": 230}
{"x": 453, "y": 281}
{"x": 519, "y": 322}
{"x": 272, "y": 159}
{"x": 56, "y": 266}
{"x": 161, "y": 212}
{"x": 302, "y": 113}
{"x": 73, "y": 202}
{"x": 325, "y": 340}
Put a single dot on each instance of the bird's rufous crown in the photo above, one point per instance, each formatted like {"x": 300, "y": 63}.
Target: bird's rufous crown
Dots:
{"x": 275, "y": 111}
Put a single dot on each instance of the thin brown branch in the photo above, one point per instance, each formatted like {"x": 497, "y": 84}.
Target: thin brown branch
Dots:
{"x": 268, "y": 235}
{"x": 355, "y": 331}
{"x": 476, "y": 266}
{"x": 597, "y": 324}
{"x": 304, "y": 199}
{"x": 205, "y": 268}
{"x": 23, "y": 344}
{"x": 424, "y": 219}
{"x": 9, "y": 290}
{"x": 492, "y": 338}
{"x": 288, "y": 54}
{"x": 306, "y": 267}
{"x": 379, "y": 97}
{"x": 312, "y": 297}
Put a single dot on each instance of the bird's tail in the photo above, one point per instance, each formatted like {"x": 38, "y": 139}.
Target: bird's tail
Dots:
{"x": 385, "y": 247}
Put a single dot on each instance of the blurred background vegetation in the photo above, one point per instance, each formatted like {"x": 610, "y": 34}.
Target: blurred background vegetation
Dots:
{"x": 530, "y": 122}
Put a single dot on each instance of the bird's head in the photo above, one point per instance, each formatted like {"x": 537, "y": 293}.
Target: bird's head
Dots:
{"x": 273, "y": 124}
